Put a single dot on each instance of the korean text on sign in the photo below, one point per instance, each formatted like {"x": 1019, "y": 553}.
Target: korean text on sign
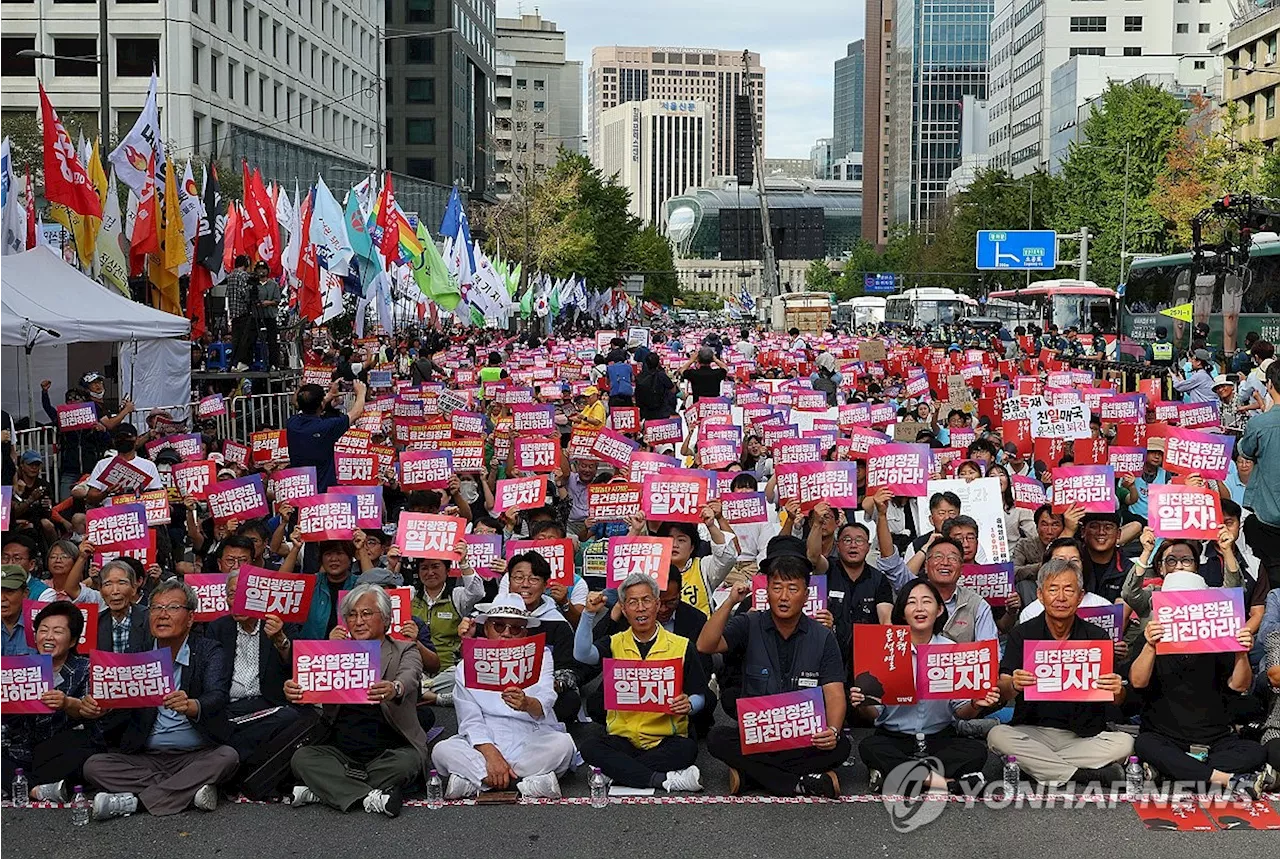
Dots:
{"x": 262, "y": 592}
{"x": 23, "y": 679}
{"x": 425, "y": 535}
{"x": 956, "y": 670}
{"x": 648, "y": 555}
{"x": 124, "y": 680}
{"x": 1204, "y": 621}
{"x": 770, "y": 723}
{"x": 1067, "y": 670}
{"x": 335, "y": 672}
{"x": 637, "y": 684}
{"x": 499, "y": 665}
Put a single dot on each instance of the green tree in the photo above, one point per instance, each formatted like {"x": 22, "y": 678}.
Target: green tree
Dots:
{"x": 819, "y": 277}
{"x": 702, "y": 301}
{"x": 650, "y": 252}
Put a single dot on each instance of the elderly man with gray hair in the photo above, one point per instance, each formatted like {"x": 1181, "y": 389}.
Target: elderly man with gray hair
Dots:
{"x": 374, "y": 750}
{"x": 651, "y": 747}
{"x": 1059, "y": 742}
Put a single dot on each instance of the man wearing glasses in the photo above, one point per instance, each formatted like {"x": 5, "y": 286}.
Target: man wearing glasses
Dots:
{"x": 1103, "y": 573}
{"x": 171, "y": 757}
{"x": 856, "y": 592}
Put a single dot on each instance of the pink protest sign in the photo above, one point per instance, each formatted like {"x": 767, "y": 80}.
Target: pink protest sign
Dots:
{"x": 993, "y": 582}
{"x": 674, "y": 499}
{"x": 23, "y": 679}
{"x": 520, "y": 493}
{"x": 236, "y": 453}
{"x": 744, "y": 508}
{"x": 242, "y": 498}
{"x": 1091, "y": 487}
{"x": 644, "y": 464}
{"x": 648, "y": 555}
{"x": 212, "y": 406}
{"x": 266, "y": 445}
{"x": 262, "y": 592}
{"x": 189, "y": 446}
{"x": 467, "y": 423}
{"x": 154, "y": 502}
{"x": 1184, "y": 511}
{"x": 326, "y": 517}
{"x": 119, "y": 681}
{"x": 860, "y": 441}
{"x": 368, "y": 503}
{"x": 356, "y": 469}
{"x": 614, "y": 447}
{"x": 814, "y": 602}
{"x": 195, "y": 478}
{"x": 625, "y": 419}
{"x": 77, "y": 416}
{"x": 533, "y": 418}
{"x": 558, "y": 554}
{"x": 425, "y": 535}
{"x": 902, "y": 468}
{"x": 1124, "y": 408}
{"x": 1189, "y": 451}
{"x": 468, "y": 455}
{"x": 955, "y": 671}
{"x": 482, "y": 551}
{"x": 1198, "y": 415}
{"x": 336, "y": 672}
{"x": 120, "y": 475}
{"x": 1028, "y": 493}
{"x": 497, "y": 665}
{"x": 211, "y": 591}
{"x": 1204, "y": 621}
{"x": 290, "y": 484}
{"x": 538, "y": 454}
{"x": 1126, "y": 461}
{"x": 772, "y": 723}
{"x": 117, "y": 527}
{"x": 793, "y": 450}
{"x": 663, "y": 432}
{"x": 425, "y": 469}
{"x": 6, "y": 505}
{"x": 1109, "y": 618}
{"x": 613, "y": 502}
{"x": 646, "y": 686}
{"x": 883, "y": 654}
{"x": 1067, "y": 670}
{"x": 814, "y": 482}
{"x": 710, "y": 409}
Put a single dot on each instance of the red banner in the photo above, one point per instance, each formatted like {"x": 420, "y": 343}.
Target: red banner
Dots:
{"x": 498, "y": 665}
{"x": 262, "y": 592}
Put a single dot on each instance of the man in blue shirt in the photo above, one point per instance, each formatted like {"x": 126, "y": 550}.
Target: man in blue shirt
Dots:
{"x": 13, "y": 590}
{"x": 311, "y": 435}
{"x": 1197, "y": 387}
{"x": 621, "y": 375}
{"x": 1261, "y": 443}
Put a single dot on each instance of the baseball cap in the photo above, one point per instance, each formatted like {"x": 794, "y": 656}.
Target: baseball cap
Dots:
{"x": 12, "y": 577}
{"x": 1222, "y": 379}
{"x": 91, "y": 377}
{"x": 1202, "y": 355}
{"x": 30, "y": 456}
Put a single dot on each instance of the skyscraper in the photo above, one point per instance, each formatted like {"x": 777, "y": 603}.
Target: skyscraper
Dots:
{"x": 658, "y": 149}
{"x": 846, "y": 114}
{"x": 877, "y": 64}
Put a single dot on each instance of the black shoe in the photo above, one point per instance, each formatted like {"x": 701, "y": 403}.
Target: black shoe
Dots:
{"x": 1107, "y": 776}
{"x": 818, "y": 784}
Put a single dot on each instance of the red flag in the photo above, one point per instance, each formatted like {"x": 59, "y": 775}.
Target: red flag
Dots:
{"x": 232, "y": 236}
{"x": 247, "y": 225}
{"x": 31, "y": 213}
{"x": 261, "y": 215}
{"x": 310, "y": 305}
{"x": 198, "y": 284}
{"x": 146, "y": 226}
{"x": 65, "y": 179}
{"x": 389, "y": 243}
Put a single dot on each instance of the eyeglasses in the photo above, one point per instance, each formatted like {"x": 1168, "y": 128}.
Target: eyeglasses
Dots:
{"x": 1186, "y": 562}
{"x": 638, "y": 602}
{"x": 362, "y": 614}
{"x": 502, "y": 627}
{"x": 168, "y": 608}
{"x": 946, "y": 559}
{"x": 15, "y": 559}
{"x": 854, "y": 541}
{"x": 523, "y": 579}
{"x": 1105, "y": 527}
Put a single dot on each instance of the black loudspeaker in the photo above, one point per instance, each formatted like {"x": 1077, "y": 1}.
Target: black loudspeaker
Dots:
{"x": 743, "y": 140}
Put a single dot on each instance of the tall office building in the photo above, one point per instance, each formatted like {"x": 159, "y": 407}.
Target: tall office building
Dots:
{"x": 440, "y": 92}
{"x": 288, "y": 86}
{"x": 624, "y": 74}
{"x": 877, "y": 65}
{"x": 940, "y": 56}
{"x": 846, "y": 113}
{"x": 658, "y": 149}
{"x": 538, "y": 98}
{"x": 1029, "y": 40}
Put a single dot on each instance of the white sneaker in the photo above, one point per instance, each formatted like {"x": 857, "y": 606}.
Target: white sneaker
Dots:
{"x": 460, "y": 788}
{"x": 386, "y": 802}
{"x": 545, "y": 786}
{"x": 108, "y": 805}
{"x": 53, "y": 792}
{"x": 206, "y": 798}
{"x": 303, "y": 795}
{"x": 688, "y": 778}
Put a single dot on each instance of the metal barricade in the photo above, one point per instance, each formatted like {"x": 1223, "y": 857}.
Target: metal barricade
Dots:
{"x": 44, "y": 440}
{"x": 247, "y": 415}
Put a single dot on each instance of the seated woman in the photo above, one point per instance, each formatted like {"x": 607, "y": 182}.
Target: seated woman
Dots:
{"x": 924, "y": 731}
{"x": 47, "y": 745}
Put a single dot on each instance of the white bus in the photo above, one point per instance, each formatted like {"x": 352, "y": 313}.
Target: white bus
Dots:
{"x": 866, "y": 310}
{"x": 928, "y": 305}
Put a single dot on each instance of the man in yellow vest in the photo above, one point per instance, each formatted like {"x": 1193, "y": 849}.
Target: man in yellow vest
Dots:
{"x": 703, "y": 574}
{"x": 648, "y": 747}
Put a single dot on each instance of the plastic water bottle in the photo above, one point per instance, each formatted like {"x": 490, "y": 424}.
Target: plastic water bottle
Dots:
{"x": 21, "y": 790}
{"x": 79, "y": 807}
{"x": 1012, "y": 774}
{"x": 922, "y": 748}
{"x": 599, "y": 789}
{"x": 1134, "y": 778}
{"x": 435, "y": 791}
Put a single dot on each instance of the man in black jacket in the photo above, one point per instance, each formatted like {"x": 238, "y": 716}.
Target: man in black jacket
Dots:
{"x": 175, "y": 755}
{"x": 124, "y": 627}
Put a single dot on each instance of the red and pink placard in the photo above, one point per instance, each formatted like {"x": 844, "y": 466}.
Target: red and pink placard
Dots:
{"x": 533, "y": 418}
{"x": 643, "y": 685}
{"x": 1189, "y": 451}
{"x": 236, "y": 453}
{"x": 117, "y": 527}
{"x": 954, "y": 671}
{"x": 266, "y": 445}
{"x": 154, "y": 502}
{"x": 482, "y": 551}
{"x": 860, "y": 441}
{"x": 613, "y": 502}
{"x": 814, "y": 602}
{"x": 558, "y": 554}
{"x": 241, "y": 498}
{"x": 212, "y": 406}
{"x": 744, "y": 508}
{"x": 356, "y": 469}
{"x": 500, "y": 664}
{"x": 648, "y": 555}
{"x": 674, "y": 499}
{"x": 211, "y": 591}
{"x": 1126, "y": 461}
{"x": 614, "y": 447}
{"x": 663, "y": 432}
{"x": 624, "y": 419}
{"x": 195, "y": 478}
{"x": 290, "y": 484}
{"x": 1067, "y": 670}
{"x": 425, "y": 469}
{"x": 23, "y": 679}
{"x": 426, "y": 535}
{"x": 1090, "y": 487}
{"x": 993, "y": 582}
{"x": 792, "y": 450}
{"x": 520, "y": 493}
{"x": 88, "y": 633}
{"x": 467, "y": 423}
{"x": 189, "y": 446}
{"x": 468, "y": 455}
{"x": 902, "y": 468}
{"x": 120, "y": 681}
{"x": 1200, "y": 415}
{"x": 1028, "y": 493}
{"x": 1109, "y": 618}
{"x": 336, "y": 672}
{"x": 1203, "y": 621}
{"x": 368, "y": 503}
{"x": 120, "y": 475}
{"x": 326, "y": 517}
{"x": 6, "y": 505}
{"x": 774, "y": 723}
{"x": 262, "y": 592}
{"x": 538, "y": 454}
{"x": 77, "y": 416}
{"x": 1184, "y": 511}
{"x": 883, "y": 653}
{"x": 644, "y": 464}
{"x": 811, "y": 483}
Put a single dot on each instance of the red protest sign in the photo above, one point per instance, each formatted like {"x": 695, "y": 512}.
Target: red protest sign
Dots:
{"x": 326, "y": 517}
{"x": 1091, "y": 487}
{"x": 425, "y": 535}
{"x": 642, "y": 685}
{"x": 117, "y": 527}
{"x": 1067, "y": 670}
{"x": 541, "y": 455}
{"x": 648, "y": 555}
{"x": 1090, "y": 451}
{"x": 262, "y": 592}
{"x": 211, "y": 591}
{"x": 811, "y": 483}
{"x": 674, "y": 499}
{"x": 644, "y": 464}
{"x": 468, "y": 455}
{"x": 663, "y": 432}
{"x": 336, "y": 672}
{"x": 368, "y": 504}
{"x": 88, "y": 633}
{"x": 356, "y": 469}
{"x": 236, "y": 453}
{"x": 744, "y": 508}
{"x": 558, "y": 554}
{"x": 155, "y": 502}
{"x": 533, "y": 418}
{"x": 613, "y": 502}
{"x": 425, "y": 469}
{"x": 1189, "y": 451}
{"x": 1028, "y": 493}
{"x": 242, "y": 498}
{"x": 882, "y": 663}
{"x": 902, "y": 468}
{"x": 120, "y": 475}
{"x": 290, "y": 484}
{"x": 624, "y": 419}
{"x": 77, "y": 416}
{"x": 1184, "y": 511}
{"x": 954, "y": 671}
{"x": 194, "y": 478}
{"x": 497, "y": 665}
{"x": 1203, "y": 621}
{"x": 119, "y": 681}
{"x": 520, "y": 493}
{"x": 770, "y": 723}
{"x": 266, "y": 445}
{"x": 613, "y": 447}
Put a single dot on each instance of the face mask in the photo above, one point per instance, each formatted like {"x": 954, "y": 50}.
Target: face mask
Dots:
{"x": 470, "y": 492}
{"x": 95, "y": 395}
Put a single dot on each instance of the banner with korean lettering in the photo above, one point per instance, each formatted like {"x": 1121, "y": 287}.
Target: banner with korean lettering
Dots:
{"x": 425, "y": 469}
{"x": 788, "y": 451}
{"x": 326, "y": 517}
{"x": 266, "y": 445}
{"x": 482, "y": 551}
{"x": 1203, "y": 621}
{"x": 666, "y": 431}
{"x": 520, "y": 493}
{"x": 242, "y": 498}
{"x": 336, "y": 672}
{"x": 356, "y": 469}
{"x": 744, "y": 508}
{"x": 88, "y": 633}
{"x": 1028, "y": 493}
{"x": 614, "y": 448}
{"x": 118, "y": 527}
{"x": 120, "y": 681}
{"x": 814, "y": 602}
{"x": 882, "y": 666}
{"x": 535, "y": 419}
{"x": 1091, "y": 487}
{"x": 902, "y": 468}
{"x": 426, "y": 535}
{"x": 613, "y": 502}
{"x": 235, "y": 453}
{"x": 625, "y": 419}
{"x": 538, "y": 454}
{"x": 211, "y": 591}
{"x": 497, "y": 665}
{"x": 811, "y": 483}
{"x": 1067, "y": 670}
{"x": 189, "y": 446}
{"x": 6, "y": 506}
{"x": 290, "y": 484}
{"x": 558, "y": 554}
{"x": 674, "y": 499}
{"x": 774, "y": 723}
{"x": 646, "y": 686}
{"x": 77, "y": 416}
{"x": 1061, "y": 420}
{"x": 1189, "y": 451}
{"x": 368, "y": 503}
{"x": 648, "y": 555}
{"x": 23, "y": 679}
{"x": 212, "y": 406}
{"x": 1183, "y": 511}
{"x": 262, "y": 592}
{"x": 120, "y": 475}
{"x": 1109, "y": 618}
{"x": 993, "y": 582}
{"x": 956, "y": 671}
{"x": 195, "y": 478}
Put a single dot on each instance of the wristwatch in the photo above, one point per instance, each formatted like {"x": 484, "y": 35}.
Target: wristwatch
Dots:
{"x": 399, "y": 687}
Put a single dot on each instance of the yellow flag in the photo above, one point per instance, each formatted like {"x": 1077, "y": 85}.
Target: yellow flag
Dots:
{"x": 173, "y": 249}
{"x": 1182, "y": 312}
{"x": 97, "y": 175}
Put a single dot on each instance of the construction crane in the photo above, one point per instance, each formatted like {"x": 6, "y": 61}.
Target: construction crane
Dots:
{"x": 768, "y": 262}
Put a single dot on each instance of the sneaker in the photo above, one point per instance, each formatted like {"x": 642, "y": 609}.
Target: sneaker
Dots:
{"x": 303, "y": 795}
{"x": 1247, "y": 785}
{"x": 1270, "y": 779}
{"x": 109, "y": 805}
{"x": 386, "y": 802}
{"x": 444, "y": 699}
{"x": 206, "y": 798}
{"x": 735, "y": 782}
{"x": 970, "y": 784}
{"x": 460, "y": 788}
{"x": 688, "y": 778}
{"x": 545, "y": 786}
{"x": 54, "y": 792}
{"x": 876, "y": 781}
{"x": 823, "y": 784}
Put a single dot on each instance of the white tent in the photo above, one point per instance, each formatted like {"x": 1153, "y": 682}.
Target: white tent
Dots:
{"x": 74, "y": 324}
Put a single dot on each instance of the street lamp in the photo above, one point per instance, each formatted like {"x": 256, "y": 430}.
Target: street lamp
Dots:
{"x": 104, "y": 73}
{"x": 383, "y": 37}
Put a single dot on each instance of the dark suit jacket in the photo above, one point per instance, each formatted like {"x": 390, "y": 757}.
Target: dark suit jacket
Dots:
{"x": 272, "y": 671}
{"x": 139, "y": 631}
{"x": 208, "y": 680}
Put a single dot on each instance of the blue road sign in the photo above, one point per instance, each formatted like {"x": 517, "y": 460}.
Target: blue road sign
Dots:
{"x": 1035, "y": 250}
{"x": 880, "y": 283}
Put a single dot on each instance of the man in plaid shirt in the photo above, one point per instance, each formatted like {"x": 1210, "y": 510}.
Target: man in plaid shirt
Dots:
{"x": 244, "y": 333}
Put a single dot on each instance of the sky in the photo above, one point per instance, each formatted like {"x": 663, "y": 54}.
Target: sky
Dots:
{"x": 798, "y": 41}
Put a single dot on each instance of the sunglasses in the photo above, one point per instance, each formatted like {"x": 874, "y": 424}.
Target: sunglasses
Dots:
{"x": 502, "y": 627}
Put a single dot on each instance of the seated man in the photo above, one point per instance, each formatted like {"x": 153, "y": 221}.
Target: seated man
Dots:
{"x": 781, "y": 651}
{"x": 529, "y": 574}
{"x": 13, "y": 585}
{"x": 173, "y": 756}
{"x": 123, "y": 627}
{"x": 509, "y": 735}
{"x": 645, "y": 748}
{"x": 1057, "y": 742}
{"x": 374, "y": 750}
{"x": 1186, "y": 731}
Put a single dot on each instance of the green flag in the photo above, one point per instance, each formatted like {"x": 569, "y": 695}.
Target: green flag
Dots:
{"x": 431, "y": 275}
{"x": 526, "y": 301}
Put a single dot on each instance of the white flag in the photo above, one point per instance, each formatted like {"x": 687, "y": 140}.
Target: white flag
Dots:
{"x": 191, "y": 207}
{"x": 131, "y": 157}
{"x": 13, "y": 215}
{"x": 113, "y": 258}
{"x": 329, "y": 231}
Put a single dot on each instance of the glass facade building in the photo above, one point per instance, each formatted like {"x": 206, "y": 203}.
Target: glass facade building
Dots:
{"x": 846, "y": 112}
